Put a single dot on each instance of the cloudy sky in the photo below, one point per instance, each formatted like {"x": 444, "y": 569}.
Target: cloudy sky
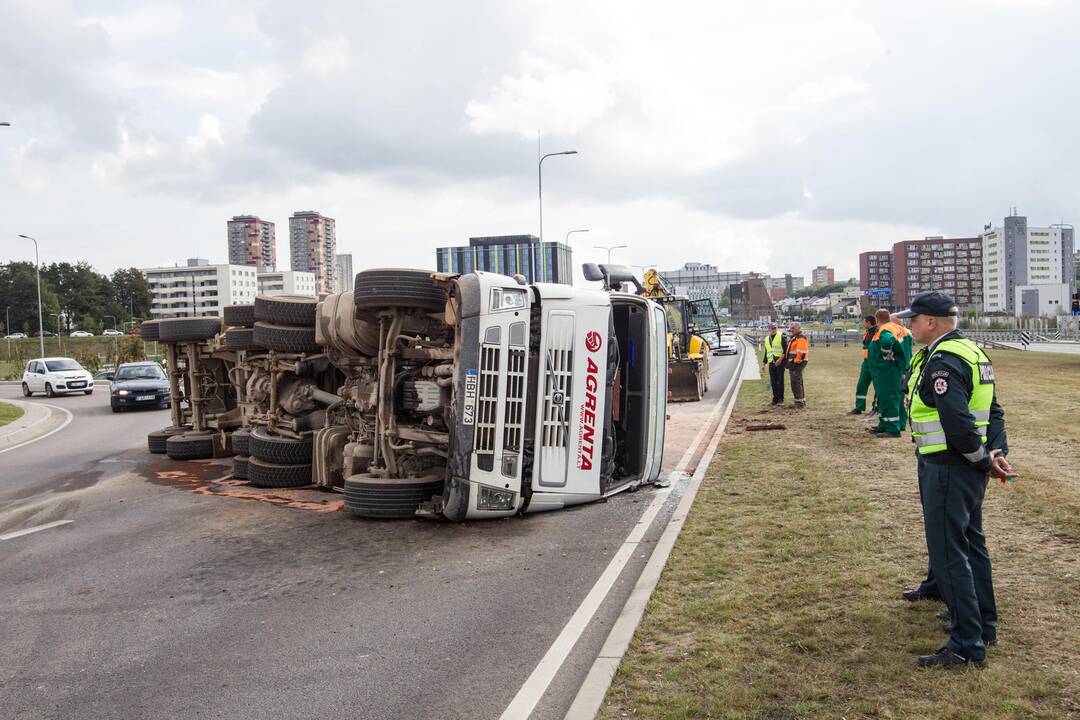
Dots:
{"x": 769, "y": 136}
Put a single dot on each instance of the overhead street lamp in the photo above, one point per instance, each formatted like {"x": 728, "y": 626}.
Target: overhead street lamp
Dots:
{"x": 609, "y": 248}
{"x": 540, "y": 184}
{"x": 5, "y": 124}
{"x": 41, "y": 322}
{"x": 572, "y": 232}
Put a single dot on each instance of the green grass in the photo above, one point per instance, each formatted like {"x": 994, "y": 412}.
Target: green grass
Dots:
{"x": 781, "y": 598}
{"x": 9, "y": 413}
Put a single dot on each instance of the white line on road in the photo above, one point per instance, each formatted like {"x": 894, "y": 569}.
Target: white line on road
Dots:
{"x": 67, "y": 422}
{"x": 36, "y": 528}
{"x": 539, "y": 680}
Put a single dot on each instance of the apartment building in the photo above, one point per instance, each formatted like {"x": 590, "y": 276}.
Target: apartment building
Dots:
{"x": 344, "y": 267}
{"x": 822, "y": 275}
{"x": 876, "y": 279}
{"x": 199, "y": 289}
{"x": 252, "y": 242}
{"x": 313, "y": 247}
{"x": 1027, "y": 271}
{"x": 288, "y": 282}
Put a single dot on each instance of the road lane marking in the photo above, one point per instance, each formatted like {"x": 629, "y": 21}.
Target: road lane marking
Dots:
{"x": 36, "y": 528}
{"x": 534, "y": 687}
{"x": 67, "y": 422}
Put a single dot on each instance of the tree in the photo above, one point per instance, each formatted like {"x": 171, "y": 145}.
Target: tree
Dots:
{"x": 18, "y": 291}
{"x": 132, "y": 292}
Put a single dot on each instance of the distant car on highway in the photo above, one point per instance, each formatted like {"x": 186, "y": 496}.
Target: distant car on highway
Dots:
{"x": 139, "y": 384}
{"x": 728, "y": 345}
{"x": 56, "y": 376}
{"x": 111, "y": 332}
{"x": 44, "y": 333}
{"x": 81, "y": 333}
{"x": 15, "y": 336}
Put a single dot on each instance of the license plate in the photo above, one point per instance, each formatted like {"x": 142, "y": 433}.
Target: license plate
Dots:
{"x": 78, "y": 384}
{"x": 145, "y": 397}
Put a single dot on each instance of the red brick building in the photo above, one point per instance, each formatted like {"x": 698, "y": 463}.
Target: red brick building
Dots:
{"x": 949, "y": 265}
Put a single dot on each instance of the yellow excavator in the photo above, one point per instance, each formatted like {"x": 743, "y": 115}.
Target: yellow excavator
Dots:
{"x": 688, "y": 352}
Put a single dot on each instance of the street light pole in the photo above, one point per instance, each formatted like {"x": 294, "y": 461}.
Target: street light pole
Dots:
{"x": 609, "y": 248}
{"x": 40, "y": 320}
{"x": 540, "y": 184}
{"x": 572, "y": 232}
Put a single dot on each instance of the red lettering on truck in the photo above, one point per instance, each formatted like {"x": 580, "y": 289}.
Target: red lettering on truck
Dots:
{"x": 587, "y": 445}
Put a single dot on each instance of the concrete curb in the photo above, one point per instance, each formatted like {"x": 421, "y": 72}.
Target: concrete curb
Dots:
{"x": 590, "y": 697}
{"x": 39, "y": 420}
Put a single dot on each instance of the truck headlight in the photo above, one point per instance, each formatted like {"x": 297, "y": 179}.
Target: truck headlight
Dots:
{"x": 507, "y": 299}
{"x": 495, "y": 499}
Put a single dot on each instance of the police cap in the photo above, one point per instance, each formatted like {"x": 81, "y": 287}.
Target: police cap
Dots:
{"x": 934, "y": 304}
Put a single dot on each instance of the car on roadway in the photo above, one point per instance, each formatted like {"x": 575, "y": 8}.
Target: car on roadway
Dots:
{"x": 111, "y": 332}
{"x": 81, "y": 333}
{"x": 728, "y": 345}
{"x": 15, "y": 336}
{"x": 138, "y": 384}
{"x": 44, "y": 333}
{"x": 56, "y": 376}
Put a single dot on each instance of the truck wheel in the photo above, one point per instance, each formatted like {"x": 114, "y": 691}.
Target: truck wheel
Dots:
{"x": 240, "y": 441}
{"x": 188, "y": 329}
{"x": 239, "y": 467}
{"x": 375, "y": 497}
{"x": 156, "y": 440}
{"x": 398, "y": 288}
{"x": 239, "y": 316}
{"x": 190, "y": 447}
{"x": 286, "y": 339}
{"x": 280, "y": 450}
{"x": 149, "y": 330}
{"x": 240, "y": 339}
{"x": 270, "y": 475}
{"x": 286, "y": 309}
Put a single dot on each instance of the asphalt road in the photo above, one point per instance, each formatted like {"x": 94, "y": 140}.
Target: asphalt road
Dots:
{"x": 156, "y": 601}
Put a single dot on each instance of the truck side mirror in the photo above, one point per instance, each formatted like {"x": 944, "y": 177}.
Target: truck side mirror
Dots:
{"x": 592, "y": 271}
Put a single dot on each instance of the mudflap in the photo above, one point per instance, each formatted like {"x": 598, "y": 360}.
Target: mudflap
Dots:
{"x": 684, "y": 381}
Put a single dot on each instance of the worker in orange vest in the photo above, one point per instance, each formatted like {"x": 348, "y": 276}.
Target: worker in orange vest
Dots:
{"x": 798, "y": 349}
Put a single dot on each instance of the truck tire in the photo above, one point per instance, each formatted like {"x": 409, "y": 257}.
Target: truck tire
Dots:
{"x": 280, "y": 450}
{"x": 286, "y": 310}
{"x": 240, "y": 441}
{"x": 155, "y": 441}
{"x": 393, "y": 287}
{"x": 374, "y": 497}
{"x": 190, "y": 447}
{"x": 149, "y": 330}
{"x": 188, "y": 329}
{"x": 270, "y": 475}
{"x": 239, "y": 316}
{"x": 239, "y": 467}
{"x": 284, "y": 338}
{"x": 240, "y": 339}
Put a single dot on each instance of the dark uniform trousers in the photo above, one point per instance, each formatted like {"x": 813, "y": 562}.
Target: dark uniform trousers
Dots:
{"x": 952, "y": 497}
{"x": 927, "y": 587}
{"x": 776, "y": 379}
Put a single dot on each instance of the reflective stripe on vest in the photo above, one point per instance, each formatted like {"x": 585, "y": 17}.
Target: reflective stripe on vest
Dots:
{"x": 774, "y": 346}
{"x": 898, "y": 331}
{"x": 926, "y": 428}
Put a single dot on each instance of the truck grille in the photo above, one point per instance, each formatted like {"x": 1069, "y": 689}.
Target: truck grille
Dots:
{"x": 514, "y": 411}
{"x": 557, "y": 381}
{"x": 487, "y": 404}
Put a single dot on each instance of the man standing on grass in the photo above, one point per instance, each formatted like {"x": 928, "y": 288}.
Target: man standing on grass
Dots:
{"x": 862, "y": 387}
{"x": 959, "y": 433}
{"x": 798, "y": 349}
{"x": 773, "y": 356}
{"x": 888, "y": 361}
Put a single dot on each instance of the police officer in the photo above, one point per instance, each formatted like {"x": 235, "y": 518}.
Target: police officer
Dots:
{"x": 865, "y": 379}
{"x": 959, "y": 433}
{"x": 775, "y": 350}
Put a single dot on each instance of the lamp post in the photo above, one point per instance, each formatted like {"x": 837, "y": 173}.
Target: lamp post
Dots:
{"x": 609, "y": 248}
{"x": 572, "y": 232}
{"x": 41, "y": 322}
{"x": 540, "y": 184}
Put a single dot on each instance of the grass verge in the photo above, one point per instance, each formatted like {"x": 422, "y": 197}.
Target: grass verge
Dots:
{"x": 9, "y": 413}
{"x": 781, "y": 598}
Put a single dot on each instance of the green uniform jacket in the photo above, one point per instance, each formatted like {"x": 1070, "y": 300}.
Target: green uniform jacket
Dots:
{"x": 887, "y": 353}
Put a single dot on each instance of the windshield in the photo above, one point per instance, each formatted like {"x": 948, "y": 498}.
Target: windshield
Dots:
{"x": 140, "y": 372}
{"x": 62, "y": 364}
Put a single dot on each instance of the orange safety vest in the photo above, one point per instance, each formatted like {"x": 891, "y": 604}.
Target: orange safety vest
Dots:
{"x": 866, "y": 351}
{"x": 798, "y": 348}
{"x": 898, "y": 331}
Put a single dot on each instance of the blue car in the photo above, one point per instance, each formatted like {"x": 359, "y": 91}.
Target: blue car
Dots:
{"x": 139, "y": 384}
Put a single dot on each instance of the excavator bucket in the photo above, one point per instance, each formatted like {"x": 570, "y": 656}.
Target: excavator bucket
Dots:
{"x": 685, "y": 381}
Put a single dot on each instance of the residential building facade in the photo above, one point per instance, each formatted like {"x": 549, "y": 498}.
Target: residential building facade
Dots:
{"x": 876, "y": 279}
{"x": 345, "y": 277}
{"x": 252, "y": 242}
{"x": 950, "y": 265}
{"x": 1019, "y": 260}
{"x": 199, "y": 289}
{"x": 750, "y": 300}
{"x": 288, "y": 282}
{"x": 547, "y": 261}
{"x": 822, "y": 275}
{"x": 313, "y": 247}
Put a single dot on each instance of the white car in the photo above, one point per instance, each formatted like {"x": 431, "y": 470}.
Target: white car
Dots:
{"x": 15, "y": 336}
{"x": 111, "y": 332}
{"x": 81, "y": 333}
{"x": 56, "y": 376}
{"x": 729, "y": 344}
